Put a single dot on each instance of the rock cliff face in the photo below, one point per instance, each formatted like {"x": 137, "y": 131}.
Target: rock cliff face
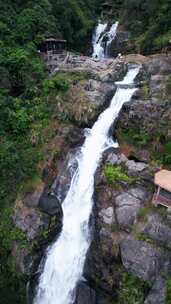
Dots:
{"x": 130, "y": 235}
{"x": 131, "y": 239}
{"x": 38, "y": 211}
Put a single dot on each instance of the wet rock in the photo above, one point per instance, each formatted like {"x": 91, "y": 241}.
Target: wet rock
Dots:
{"x": 99, "y": 268}
{"x": 49, "y": 204}
{"x": 143, "y": 259}
{"x": 92, "y": 266}
{"x": 75, "y": 136}
{"x": 127, "y": 208}
{"x": 119, "y": 44}
{"x": 65, "y": 173}
{"x": 157, "y": 294}
{"x": 30, "y": 220}
{"x": 85, "y": 294}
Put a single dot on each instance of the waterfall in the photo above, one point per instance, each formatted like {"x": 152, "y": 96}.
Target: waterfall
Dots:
{"x": 111, "y": 35}
{"x": 102, "y": 39}
{"x": 66, "y": 257}
{"x": 98, "y": 49}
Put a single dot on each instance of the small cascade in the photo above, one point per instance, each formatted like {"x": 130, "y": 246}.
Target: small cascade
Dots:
{"x": 98, "y": 49}
{"x": 111, "y": 36}
{"x": 102, "y": 39}
{"x": 65, "y": 259}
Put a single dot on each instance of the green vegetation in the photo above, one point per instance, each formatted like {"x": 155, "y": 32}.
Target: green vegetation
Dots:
{"x": 116, "y": 174}
{"x": 148, "y": 21}
{"x": 145, "y": 90}
{"x": 132, "y": 290}
{"x": 167, "y": 153}
{"x": 8, "y": 232}
{"x": 27, "y": 102}
{"x": 148, "y": 209}
{"x": 10, "y": 279}
{"x": 155, "y": 141}
{"x": 168, "y": 84}
{"x": 168, "y": 298}
{"x": 136, "y": 137}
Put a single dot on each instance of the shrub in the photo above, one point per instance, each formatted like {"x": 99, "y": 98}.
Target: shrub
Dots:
{"x": 115, "y": 174}
{"x": 8, "y": 232}
{"x": 136, "y": 137}
{"x": 55, "y": 85}
{"x": 168, "y": 298}
{"x": 132, "y": 290}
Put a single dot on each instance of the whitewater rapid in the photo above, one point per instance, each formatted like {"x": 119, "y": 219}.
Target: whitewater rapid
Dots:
{"x": 66, "y": 257}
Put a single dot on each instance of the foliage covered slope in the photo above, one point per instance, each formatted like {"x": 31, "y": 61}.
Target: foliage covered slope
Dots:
{"x": 148, "y": 21}
{"x": 25, "y": 107}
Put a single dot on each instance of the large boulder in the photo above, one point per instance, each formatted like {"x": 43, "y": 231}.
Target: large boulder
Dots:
{"x": 157, "y": 294}
{"x": 157, "y": 229}
{"x": 30, "y": 220}
{"x": 134, "y": 168}
{"x": 85, "y": 294}
{"x": 127, "y": 209}
{"x": 92, "y": 92}
{"x": 107, "y": 215}
{"x": 143, "y": 259}
{"x": 49, "y": 204}
{"x": 159, "y": 64}
{"x": 100, "y": 93}
{"x": 119, "y": 44}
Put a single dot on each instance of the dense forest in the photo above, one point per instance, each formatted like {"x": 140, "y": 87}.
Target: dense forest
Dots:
{"x": 24, "y": 87}
{"x": 24, "y": 84}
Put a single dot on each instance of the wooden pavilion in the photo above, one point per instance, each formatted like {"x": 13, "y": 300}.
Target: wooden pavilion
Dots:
{"x": 53, "y": 45}
{"x": 162, "y": 197}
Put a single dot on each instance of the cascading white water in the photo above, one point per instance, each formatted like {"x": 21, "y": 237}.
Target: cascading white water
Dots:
{"x": 65, "y": 258}
{"x": 111, "y": 35}
{"x": 98, "y": 49}
{"x": 98, "y": 37}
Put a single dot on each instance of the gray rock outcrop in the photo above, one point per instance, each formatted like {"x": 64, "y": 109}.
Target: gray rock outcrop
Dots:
{"x": 128, "y": 205}
{"x": 157, "y": 294}
{"x": 144, "y": 260}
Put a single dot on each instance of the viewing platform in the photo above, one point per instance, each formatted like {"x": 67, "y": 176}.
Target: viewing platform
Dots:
{"x": 162, "y": 196}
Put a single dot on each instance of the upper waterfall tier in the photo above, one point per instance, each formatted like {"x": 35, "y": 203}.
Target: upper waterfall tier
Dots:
{"x": 102, "y": 39}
